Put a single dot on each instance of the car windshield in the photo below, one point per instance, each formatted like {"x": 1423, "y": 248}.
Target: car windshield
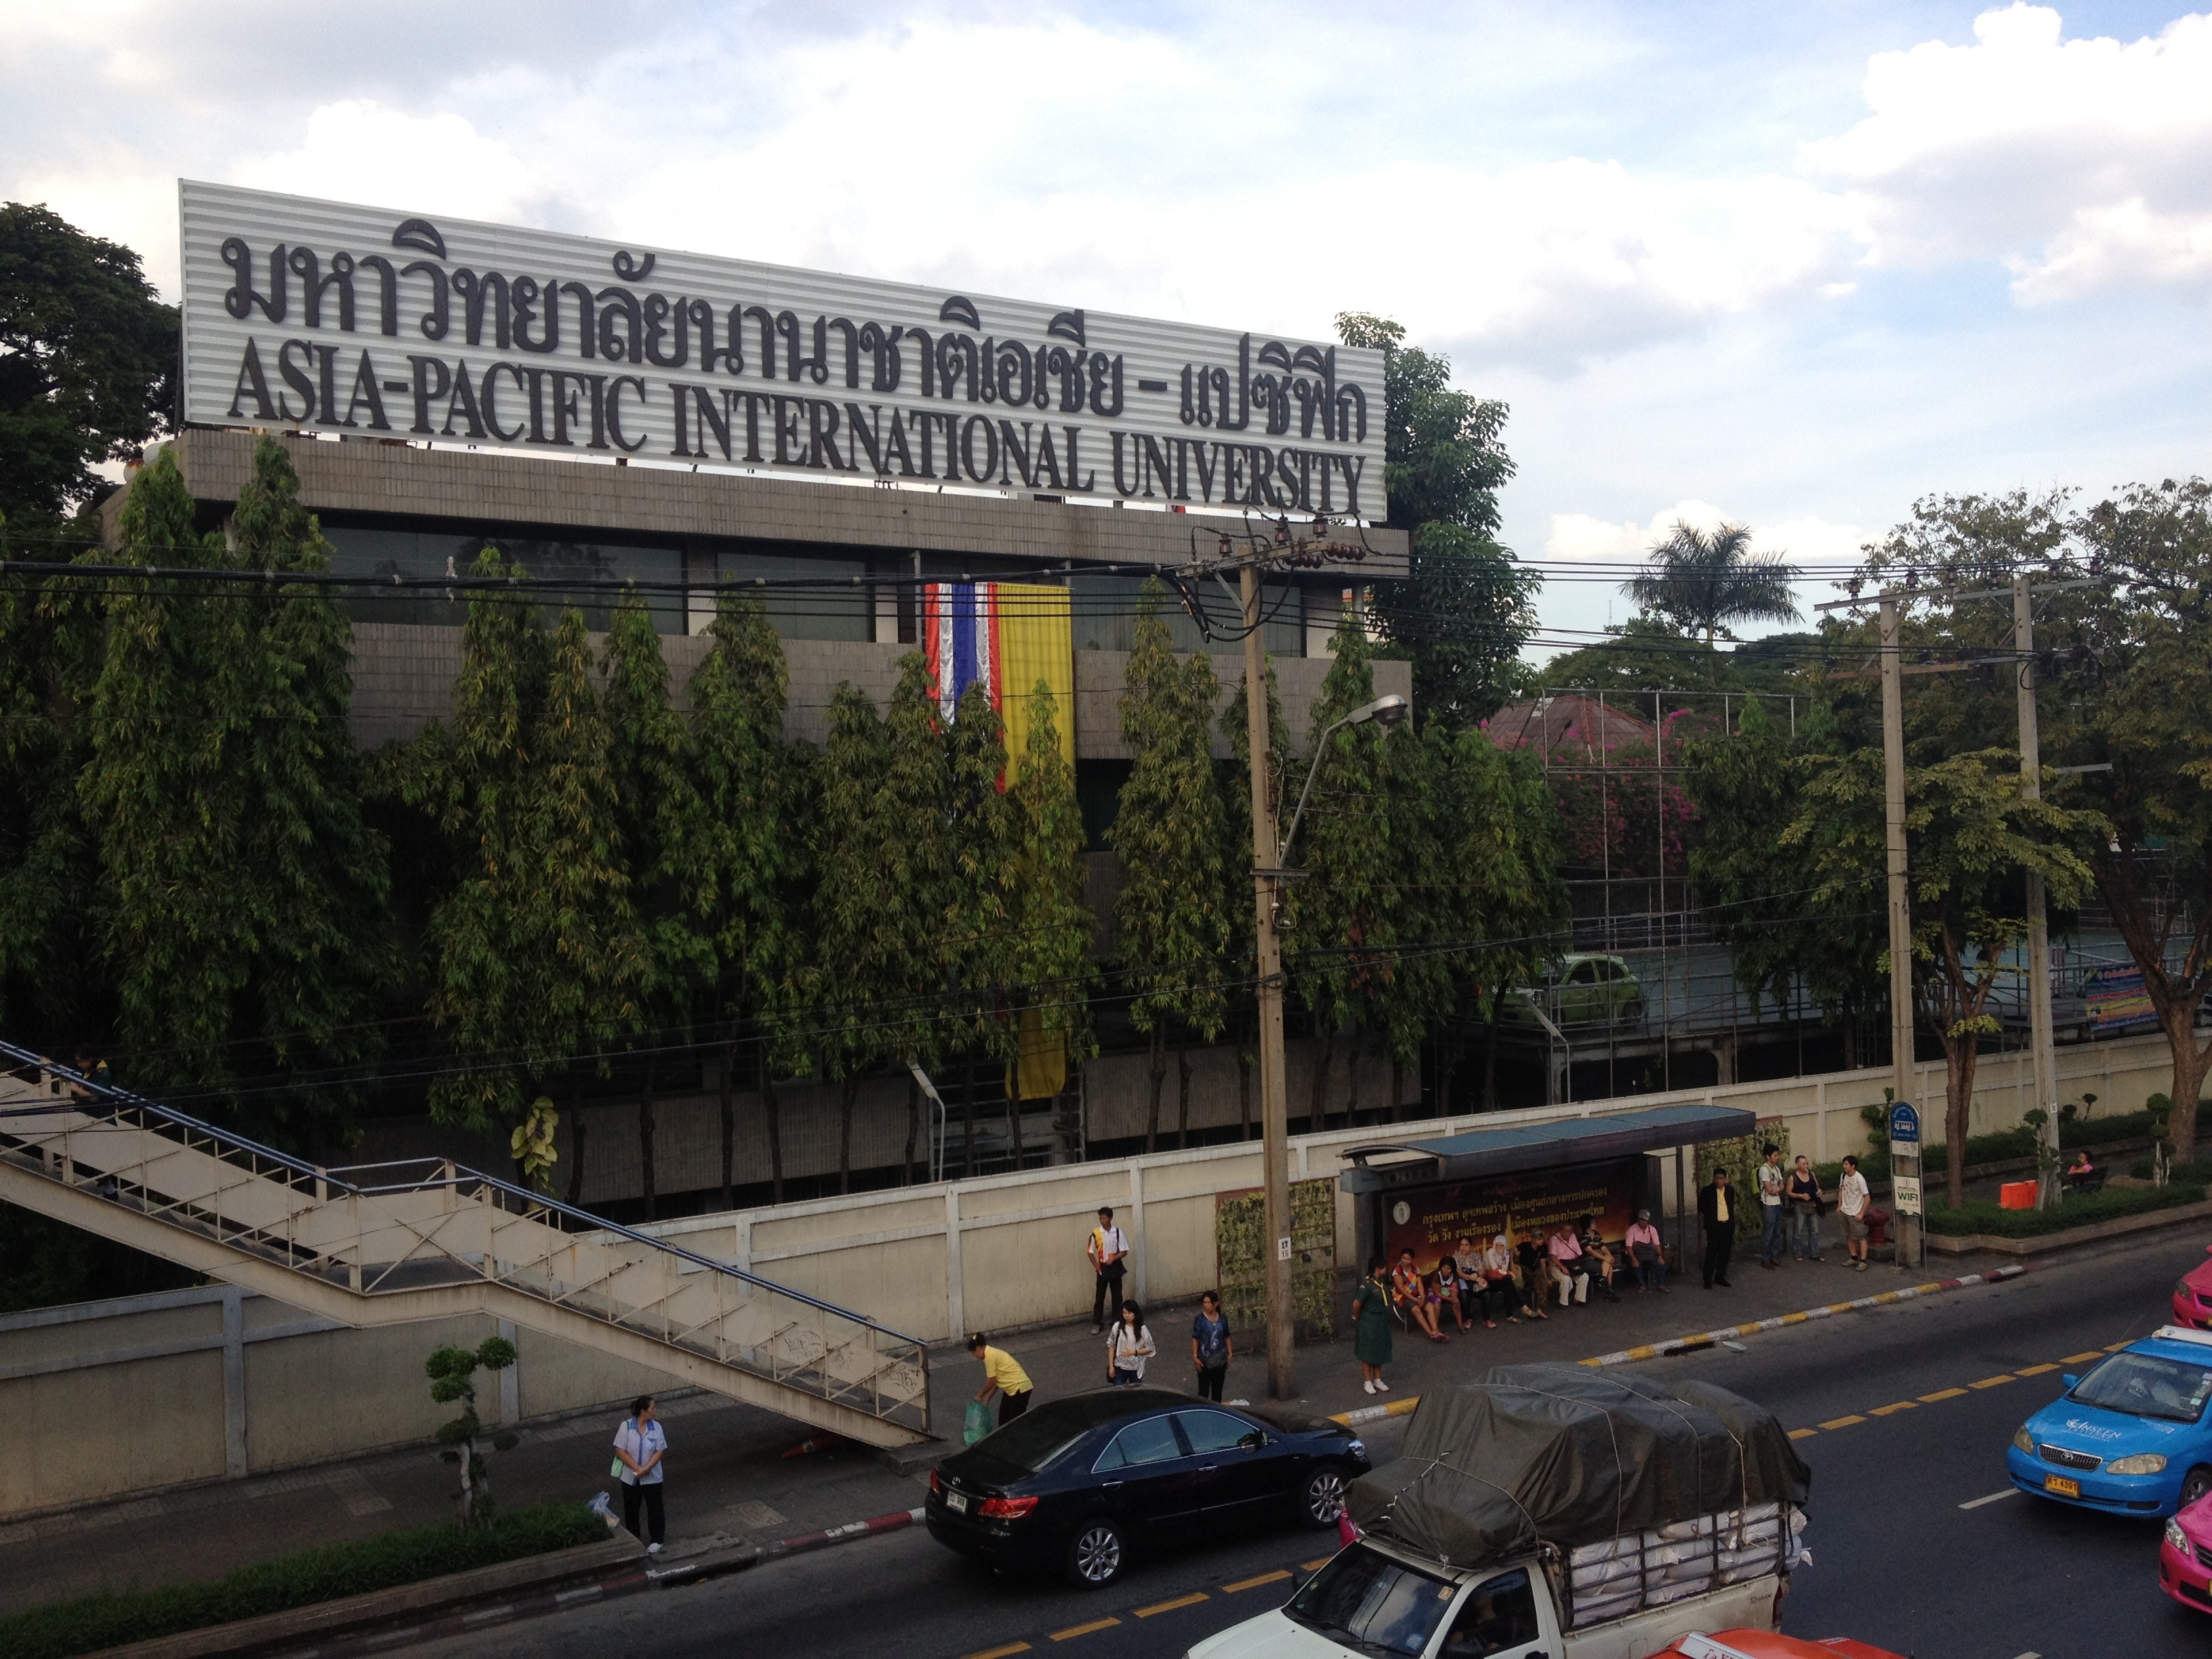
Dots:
{"x": 2145, "y": 1385}
{"x": 1366, "y": 1600}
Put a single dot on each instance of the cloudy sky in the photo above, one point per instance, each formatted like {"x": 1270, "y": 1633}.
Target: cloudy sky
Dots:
{"x": 1792, "y": 264}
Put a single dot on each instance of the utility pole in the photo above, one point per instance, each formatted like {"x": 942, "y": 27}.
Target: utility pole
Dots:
{"x": 1274, "y": 1100}
{"x": 2039, "y": 929}
{"x": 1900, "y": 909}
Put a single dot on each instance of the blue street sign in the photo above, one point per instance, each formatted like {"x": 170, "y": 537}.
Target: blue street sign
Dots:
{"x": 1904, "y": 1123}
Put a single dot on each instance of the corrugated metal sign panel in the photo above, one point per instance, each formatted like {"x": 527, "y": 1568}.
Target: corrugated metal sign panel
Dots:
{"x": 328, "y": 316}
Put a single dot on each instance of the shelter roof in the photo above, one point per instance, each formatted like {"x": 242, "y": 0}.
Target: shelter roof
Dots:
{"x": 1515, "y": 1148}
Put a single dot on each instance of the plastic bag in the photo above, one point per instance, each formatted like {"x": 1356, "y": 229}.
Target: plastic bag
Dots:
{"x": 979, "y": 1423}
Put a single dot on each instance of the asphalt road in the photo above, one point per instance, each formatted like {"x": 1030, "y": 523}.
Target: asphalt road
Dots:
{"x": 1897, "y": 1558}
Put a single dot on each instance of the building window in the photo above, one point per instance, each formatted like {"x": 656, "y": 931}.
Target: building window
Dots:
{"x": 591, "y": 572}
{"x": 807, "y": 598}
{"x": 1106, "y": 617}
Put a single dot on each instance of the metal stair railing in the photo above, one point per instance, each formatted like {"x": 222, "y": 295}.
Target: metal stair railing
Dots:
{"x": 425, "y": 1229}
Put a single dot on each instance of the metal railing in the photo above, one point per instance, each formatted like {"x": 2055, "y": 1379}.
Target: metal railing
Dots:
{"x": 385, "y": 1230}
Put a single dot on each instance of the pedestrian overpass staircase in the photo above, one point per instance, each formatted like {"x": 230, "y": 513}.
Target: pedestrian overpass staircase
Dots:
{"x": 381, "y": 1244}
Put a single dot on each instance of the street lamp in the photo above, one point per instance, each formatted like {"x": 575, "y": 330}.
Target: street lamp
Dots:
{"x": 1389, "y": 709}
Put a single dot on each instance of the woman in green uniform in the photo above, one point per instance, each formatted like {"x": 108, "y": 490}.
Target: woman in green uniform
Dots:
{"x": 1370, "y": 1328}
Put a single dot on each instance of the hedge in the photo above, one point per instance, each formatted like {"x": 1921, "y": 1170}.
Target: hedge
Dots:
{"x": 1997, "y": 1147}
{"x": 85, "y": 1623}
{"x": 2079, "y": 1210}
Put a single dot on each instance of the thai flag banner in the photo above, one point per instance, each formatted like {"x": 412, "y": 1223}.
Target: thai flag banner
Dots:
{"x": 960, "y": 642}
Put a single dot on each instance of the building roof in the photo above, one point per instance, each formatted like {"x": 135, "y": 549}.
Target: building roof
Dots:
{"x": 1511, "y": 1150}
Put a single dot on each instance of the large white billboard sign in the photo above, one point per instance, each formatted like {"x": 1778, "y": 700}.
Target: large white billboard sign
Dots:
{"x": 329, "y": 317}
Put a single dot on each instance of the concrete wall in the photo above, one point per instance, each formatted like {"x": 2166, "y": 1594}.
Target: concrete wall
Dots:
{"x": 195, "y": 1385}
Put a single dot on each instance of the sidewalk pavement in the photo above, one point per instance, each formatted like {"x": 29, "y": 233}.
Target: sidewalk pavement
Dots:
{"x": 728, "y": 1479}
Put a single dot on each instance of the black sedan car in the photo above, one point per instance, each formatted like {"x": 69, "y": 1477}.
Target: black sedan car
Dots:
{"x": 1082, "y": 1483}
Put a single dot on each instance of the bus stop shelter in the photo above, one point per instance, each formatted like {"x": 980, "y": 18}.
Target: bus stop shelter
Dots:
{"x": 1529, "y": 1177}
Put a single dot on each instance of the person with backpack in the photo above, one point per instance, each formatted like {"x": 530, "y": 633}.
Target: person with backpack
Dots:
{"x": 1108, "y": 1250}
{"x": 1129, "y": 1348}
{"x": 641, "y": 1445}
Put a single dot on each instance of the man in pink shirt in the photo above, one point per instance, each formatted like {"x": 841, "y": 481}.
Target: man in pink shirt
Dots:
{"x": 1564, "y": 1263}
{"x": 1647, "y": 1256}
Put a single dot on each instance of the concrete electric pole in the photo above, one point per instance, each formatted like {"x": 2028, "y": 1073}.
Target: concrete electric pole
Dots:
{"x": 1901, "y": 916}
{"x": 2040, "y": 1040}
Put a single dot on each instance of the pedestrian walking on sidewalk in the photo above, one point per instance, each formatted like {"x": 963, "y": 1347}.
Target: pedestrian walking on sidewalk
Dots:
{"x": 1852, "y": 1199}
{"x": 1108, "y": 1248}
{"x": 1647, "y": 1254}
{"x": 1804, "y": 1194}
{"x": 1210, "y": 1348}
{"x": 1370, "y": 1328}
{"x": 640, "y": 1446}
{"x": 1129, "y": 1348}
{"x": 1002, "y": 1375}
{"x": 1771, "y": 1182}
{"x": 1716, "y": 1209}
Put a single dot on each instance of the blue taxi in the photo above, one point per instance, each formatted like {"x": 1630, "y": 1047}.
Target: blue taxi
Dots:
{"x": 2130, "y": 1436}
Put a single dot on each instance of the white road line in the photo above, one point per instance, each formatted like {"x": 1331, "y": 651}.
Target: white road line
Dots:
{"x": 2031, "y": 1654}
{"x": 1975, "y": 1504}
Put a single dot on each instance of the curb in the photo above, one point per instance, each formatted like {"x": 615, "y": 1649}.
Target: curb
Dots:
{"x": 1710, "y": 1339}
{"x": 696, "y": 1570}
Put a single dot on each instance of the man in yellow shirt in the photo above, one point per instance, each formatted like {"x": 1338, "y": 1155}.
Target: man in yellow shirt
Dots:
{"x": 1002, "y": 1374}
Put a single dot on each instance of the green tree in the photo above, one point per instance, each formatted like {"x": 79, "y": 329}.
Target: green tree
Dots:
{"x": 1343, "y": 915}
{"x": 746, "y": 854}
{"x": 242, "y": 896}
{"x": 1168, "y": 836}
{"x": 656, "y": 817}
{"x": 2130, "y": 684}
{"x": 1465, "y": 608}
{"x": 1700, "y": 581}
{"x": 88, "y": 357}
{"x": 453, "y": 1373}
{"x": 1970, "y": 835}
{"x": 1234, "y": 779}
{"x": 980, "y": 898}
{"x": 1049, "y": 968}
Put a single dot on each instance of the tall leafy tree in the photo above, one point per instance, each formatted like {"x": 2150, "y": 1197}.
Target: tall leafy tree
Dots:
{"x": 1234, "y": 777}
{"x": 1344, "y": 914}
{"x": 1466, "y": 607}
{"x": 88, "y": 357}
{"x": 241, "y": 895}
{"x": 1168, "y": 836}
{"x": 1049, "y": 968}
{"x": 1700, "y": 581}
{"x": 656, "y": 814}
{"x": 2134, "y": 689}
{"x": 976, "y": 937}
{"x": 1971, "y": 834}
{"x": 746, "y": 854}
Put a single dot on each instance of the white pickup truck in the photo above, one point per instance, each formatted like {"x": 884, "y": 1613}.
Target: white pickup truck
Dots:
{"x": 1380, "y": 1598}
{"x": 1549, "y": 1512}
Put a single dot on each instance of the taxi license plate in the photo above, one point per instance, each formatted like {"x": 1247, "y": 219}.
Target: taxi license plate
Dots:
{"x": 958, "y": 1501}
{"x": 2062, "y": 1485}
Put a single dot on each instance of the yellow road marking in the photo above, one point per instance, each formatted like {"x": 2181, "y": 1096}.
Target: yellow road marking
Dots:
{"x": 2034, "y": 1371}
{"x": 2082, "y": 1358}
{"x": 1991, "y": 1382}
{"x": 1802, "y": 1434}
{"x": 1314, "y": 1566}
{"x": 1073, "y": 1630}
{"x": 1941, "y": 1394}
{"x": 1190, "y": 1600}
{"x": 1842, "y": 1422}
{"x": 1000, "y": 1653}
{"x": 1275, "y": 1578}
{"x": 1892, "y": 1410}
{"x": 2114, "y": 1348}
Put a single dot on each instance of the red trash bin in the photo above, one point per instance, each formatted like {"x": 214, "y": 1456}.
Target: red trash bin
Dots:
{"x": 2017, "y": 1195}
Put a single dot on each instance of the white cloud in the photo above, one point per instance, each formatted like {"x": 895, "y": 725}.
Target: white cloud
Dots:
{"x": 1583, "y": 539}
{"x": 2078, "y": 164}
{"x": 359, "y": 150}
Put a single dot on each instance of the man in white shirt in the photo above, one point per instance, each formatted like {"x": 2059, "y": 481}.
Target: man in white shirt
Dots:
{"x": 1852, "y": 1199}
{"x": 1770, "y": 1182}
{"x": 1108, "y": 1248}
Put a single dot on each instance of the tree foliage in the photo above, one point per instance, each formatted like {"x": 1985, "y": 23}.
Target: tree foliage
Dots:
{"x": 88, "y": 357}
{"x": 1700, "y": 581}
{"x": 1465, "y": 608}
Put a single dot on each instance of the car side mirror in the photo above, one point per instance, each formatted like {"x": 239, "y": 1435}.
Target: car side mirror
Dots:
{"x": 2067, "y": 1381}
{"x": 1252, "y": 1442}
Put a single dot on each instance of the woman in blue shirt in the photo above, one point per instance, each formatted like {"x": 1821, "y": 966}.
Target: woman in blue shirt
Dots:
{"x": 1210, "y": 1350}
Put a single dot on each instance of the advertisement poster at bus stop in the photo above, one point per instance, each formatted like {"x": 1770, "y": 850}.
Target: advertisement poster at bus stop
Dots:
{"x": 1430, "y": 1222}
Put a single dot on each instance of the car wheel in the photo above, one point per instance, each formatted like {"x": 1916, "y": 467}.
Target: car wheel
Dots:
{"x": 1321, "y": 1500}
{"x": 2195, "y": 1485}
{"x": 1095, "y": 1555}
